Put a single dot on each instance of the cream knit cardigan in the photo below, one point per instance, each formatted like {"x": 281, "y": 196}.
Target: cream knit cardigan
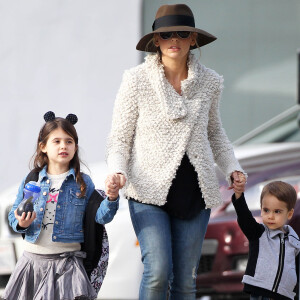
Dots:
{"x": 153, "y": 126}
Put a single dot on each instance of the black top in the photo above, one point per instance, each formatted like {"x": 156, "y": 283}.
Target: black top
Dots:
{"x": 184, "y": 199}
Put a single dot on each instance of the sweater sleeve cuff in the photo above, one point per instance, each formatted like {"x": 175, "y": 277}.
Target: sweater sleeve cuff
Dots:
{"x": 116, "y": 164}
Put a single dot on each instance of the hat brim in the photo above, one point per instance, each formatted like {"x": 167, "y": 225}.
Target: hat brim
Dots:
{"x": 203, "y": 37}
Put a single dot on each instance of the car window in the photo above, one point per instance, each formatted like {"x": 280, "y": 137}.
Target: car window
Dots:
{"x": 284, "y": 131}
{"x": 280, "y": 129}
{"x": 252, "y": 194}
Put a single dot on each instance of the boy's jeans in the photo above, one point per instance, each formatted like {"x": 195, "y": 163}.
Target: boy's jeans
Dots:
{"x": 171, "y": 250}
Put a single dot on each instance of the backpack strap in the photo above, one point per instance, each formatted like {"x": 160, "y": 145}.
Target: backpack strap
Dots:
{"x": 32, "y": 176}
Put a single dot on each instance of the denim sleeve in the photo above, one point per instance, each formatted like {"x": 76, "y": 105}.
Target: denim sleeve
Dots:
{"x": 13, "y": 222}
{"x": 107, "y": 211}
{"x": 90, "y": 185}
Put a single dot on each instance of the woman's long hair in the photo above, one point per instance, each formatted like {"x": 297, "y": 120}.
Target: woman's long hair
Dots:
{"x": 40, "y": 159}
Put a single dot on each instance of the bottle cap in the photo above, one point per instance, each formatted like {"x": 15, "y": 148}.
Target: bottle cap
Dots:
{"x": 33, "y": 186}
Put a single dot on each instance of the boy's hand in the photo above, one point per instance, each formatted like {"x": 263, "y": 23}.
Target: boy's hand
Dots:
{"x": 238, "y": 183}
{"x": 113, "y": 183}
{"x": 25, "y": 221}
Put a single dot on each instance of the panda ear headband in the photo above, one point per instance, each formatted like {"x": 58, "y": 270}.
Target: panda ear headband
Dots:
{"x": 50, "y": 116}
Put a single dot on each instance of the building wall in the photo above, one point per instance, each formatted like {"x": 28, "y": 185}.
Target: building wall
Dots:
{"x": 65, "y": 56}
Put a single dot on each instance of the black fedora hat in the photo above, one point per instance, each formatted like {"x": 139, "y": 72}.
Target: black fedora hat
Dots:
{"x": 178, "y": 17}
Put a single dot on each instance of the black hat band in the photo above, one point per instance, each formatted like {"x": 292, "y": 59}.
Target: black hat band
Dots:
{"x": 173, "y": 20}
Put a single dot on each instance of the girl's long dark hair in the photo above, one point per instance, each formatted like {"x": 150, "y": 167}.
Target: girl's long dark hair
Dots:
{"x": 40, "y": 159}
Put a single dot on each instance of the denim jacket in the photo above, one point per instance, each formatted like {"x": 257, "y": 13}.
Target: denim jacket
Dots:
{"x": 70, "y": 209}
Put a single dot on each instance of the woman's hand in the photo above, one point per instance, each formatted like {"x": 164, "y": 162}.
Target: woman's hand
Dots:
{"x": 113, "y": 183}
{"x": 239, "y": 181}
{"x": 25, "y": 220}
{"x": 122, "y": 180}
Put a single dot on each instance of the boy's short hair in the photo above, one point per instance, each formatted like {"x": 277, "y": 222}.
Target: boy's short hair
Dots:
{"x": 283, "y": 191}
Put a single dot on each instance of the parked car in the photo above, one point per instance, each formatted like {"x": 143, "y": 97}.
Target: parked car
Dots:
{"x": 270, "y": 152}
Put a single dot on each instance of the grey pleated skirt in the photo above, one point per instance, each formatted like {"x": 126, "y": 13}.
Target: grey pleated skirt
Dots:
{"x": 49, "y": 277}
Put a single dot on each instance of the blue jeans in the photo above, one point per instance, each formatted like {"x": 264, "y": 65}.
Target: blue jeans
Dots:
{"x": 171, "y": 250}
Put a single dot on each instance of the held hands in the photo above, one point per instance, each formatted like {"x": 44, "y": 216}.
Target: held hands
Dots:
{"x": 25, "y": 221}
{"x": 113, "y": 183}
{"x": 239, "y": 181}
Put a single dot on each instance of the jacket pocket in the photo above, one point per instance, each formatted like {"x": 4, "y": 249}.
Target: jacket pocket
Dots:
{"x": 290, "y": 278}
{"x": 261, "y": 273}
{"x": 74, "y": 197}
{"x": 75, "y": 211}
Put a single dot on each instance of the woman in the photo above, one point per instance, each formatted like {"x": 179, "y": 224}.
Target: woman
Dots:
{"x": 166, "y": 135}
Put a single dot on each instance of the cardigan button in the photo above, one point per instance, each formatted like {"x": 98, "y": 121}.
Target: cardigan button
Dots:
{"x": 44, "y": 193}
{"x": 41, "y": 209}
{"x": 58, "y": 206}
{"x": 48, "y": 181}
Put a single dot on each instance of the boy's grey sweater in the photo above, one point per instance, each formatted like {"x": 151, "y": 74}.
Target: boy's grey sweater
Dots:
{"x": 271, "y": 268}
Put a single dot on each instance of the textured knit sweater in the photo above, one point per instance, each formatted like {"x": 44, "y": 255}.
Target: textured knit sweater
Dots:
{"x": 153, "y": 127}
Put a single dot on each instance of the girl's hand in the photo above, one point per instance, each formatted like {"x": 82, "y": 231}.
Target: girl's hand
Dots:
{"x": 25, "y": 221}
{"x": 238, "y": 180}
{"x": 113, "y": 183}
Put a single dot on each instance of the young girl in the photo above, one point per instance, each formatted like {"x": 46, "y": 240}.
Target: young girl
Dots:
{"x": 166, "y": 136}
{"x": 51, "y": 267}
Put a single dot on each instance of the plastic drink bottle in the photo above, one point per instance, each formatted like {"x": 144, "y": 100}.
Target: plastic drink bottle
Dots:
{"x": 31, "y": 193}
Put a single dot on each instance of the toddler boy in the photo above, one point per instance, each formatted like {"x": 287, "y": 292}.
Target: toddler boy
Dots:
{"x": 273, "y": 246}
